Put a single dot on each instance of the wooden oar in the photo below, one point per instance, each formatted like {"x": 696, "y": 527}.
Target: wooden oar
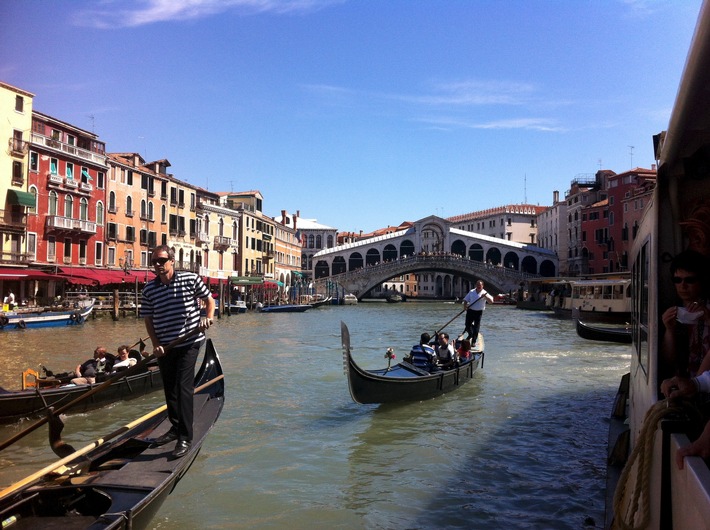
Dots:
{"x": 436, "y": 333}
{"x": 93, "y": 445}
{"x": 120, "y": 375}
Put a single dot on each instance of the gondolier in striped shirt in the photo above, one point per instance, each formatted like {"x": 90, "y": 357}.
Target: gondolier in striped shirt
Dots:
{"x": 171, "y": 309}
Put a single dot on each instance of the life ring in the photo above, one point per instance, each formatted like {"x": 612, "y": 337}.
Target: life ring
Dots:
{"x": 21, "y": 324}
{"x": 76, "y": 316}
{"x": 79, "y": 319}
{"x": 3, "y": 321}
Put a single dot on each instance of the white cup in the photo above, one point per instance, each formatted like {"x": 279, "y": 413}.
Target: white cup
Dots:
{"x": 686, "y": 317}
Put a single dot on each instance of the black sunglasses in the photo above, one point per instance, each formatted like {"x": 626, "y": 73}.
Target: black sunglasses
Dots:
{"x": 160, "y": 261}
{"x": 688, "y": 279}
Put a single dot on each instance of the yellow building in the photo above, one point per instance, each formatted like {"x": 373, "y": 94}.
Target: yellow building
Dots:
{"x": 15, "y": 201}
{"x": 217, "y": 235}
{"x": 255, "y": 248}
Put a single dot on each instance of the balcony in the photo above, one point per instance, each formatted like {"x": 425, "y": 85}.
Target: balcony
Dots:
{"x": 85, "y": 186}
{"x": 202, "y": 237}
{"x": 65, "y": 224}
{"x": 16, "y": 258}
{"x": 151, "y": 193}
{"x": 18, "y": 148}
{"x": 72, "y": 150}
{"x": 54, "y": 179}
{"x": 70, "y": 183}
{"x": 221, "y": 243}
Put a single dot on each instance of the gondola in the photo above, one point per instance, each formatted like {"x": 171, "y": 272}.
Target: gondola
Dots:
{"x": 404, "y": 381}
{"x": 46, "y": 392}
{"x": 606, "y": 334}
{"x": 120, "y": 481}
{"x": 286, "y": 308}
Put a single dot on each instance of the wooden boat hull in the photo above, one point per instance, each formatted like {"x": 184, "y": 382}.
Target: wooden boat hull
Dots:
{"x": 27, "y": 403}
{"x": 45, "y": 319}
{"x": 124, "y": 481}
{"x": 593, "y": 316}
{"x": 605, "y": 334}
{"x": 402, "y": 382}
{"x": 289, "y": 308}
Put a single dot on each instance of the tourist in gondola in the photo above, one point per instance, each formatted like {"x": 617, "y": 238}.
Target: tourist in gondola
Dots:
{"x": 124, "y": 360}
{"x": 475, "y": 304}
{"x": 89, "y": 370}
{"x": 464, "y": 351}
{"x": 171, "y": 311}
{"x": 422, "y": 355}
{"x": 445, "y": 351}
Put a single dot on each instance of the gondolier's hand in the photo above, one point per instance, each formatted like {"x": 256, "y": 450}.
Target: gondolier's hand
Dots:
{"x": 159, "y": 351}
{"x": 205, "y": 323}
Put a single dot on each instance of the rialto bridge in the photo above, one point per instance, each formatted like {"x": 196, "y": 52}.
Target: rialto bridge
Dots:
{"x": 432, "y": 245}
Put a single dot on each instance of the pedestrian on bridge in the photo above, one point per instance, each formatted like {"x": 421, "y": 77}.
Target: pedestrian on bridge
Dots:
{"x": 475, "y": 304}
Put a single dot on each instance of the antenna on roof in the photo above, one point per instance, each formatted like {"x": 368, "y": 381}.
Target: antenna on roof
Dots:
{"x": 631, "y": 153}
{"x": 525, "y": 190}
{"x": 93, "y": 122}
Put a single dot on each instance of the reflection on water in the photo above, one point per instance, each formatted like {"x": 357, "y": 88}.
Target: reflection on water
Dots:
{"x": 520, "y": 446}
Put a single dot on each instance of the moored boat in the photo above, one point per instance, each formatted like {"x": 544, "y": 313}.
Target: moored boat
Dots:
{"x": 349, "y": 299}
{"x": 597, "y": 300}
{"x": 394, "y": 298}
{"x": 620, "y": 334}
{"x": 319, "y": 301}
{"x": 238, "y": 306}
{"x": 120, "y": 480}
{"x": 46, "y": 392}
{"x": 31, "y": 318}
{"x": 646, "y": 487}
{"x": 285, "y": 308}
{"x": 404, "y": 381}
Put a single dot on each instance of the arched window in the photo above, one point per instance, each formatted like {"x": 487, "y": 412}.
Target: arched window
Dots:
{"x": 150, "y": 211}
{"x": 319, "y": 242}
{"x": 144, "y": 209}
{"x": 112, "y": 202}
{"x": 221, "y": 227}
{"x": 129, "y": 205}
{"x": 68, "y": 206}
{"x": 311, "y": 241}
{"x": 99, "y": 213}
{"x": 53, "y": 199}
{"x": 235, "y": 234}
{"x": 33, "y": 191}
{"x": 84, "y": 209}
{"x": 206, "y": 225}
{"x": 163, "y": 214}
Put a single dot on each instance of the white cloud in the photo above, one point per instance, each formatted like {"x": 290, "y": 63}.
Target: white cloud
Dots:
{"x": 113, "y": 14}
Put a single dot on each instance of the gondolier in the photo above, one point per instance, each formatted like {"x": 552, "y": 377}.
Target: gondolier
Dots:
{"x": 171, "y": 310}
{"x": 475, "y": 304}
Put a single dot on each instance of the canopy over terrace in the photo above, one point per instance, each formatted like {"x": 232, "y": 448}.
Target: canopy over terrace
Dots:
{"x": 88, "y": 276}
{"x": 16, "y": 274}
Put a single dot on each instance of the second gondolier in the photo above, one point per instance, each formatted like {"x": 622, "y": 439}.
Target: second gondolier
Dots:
{"x": 475, "y": 304}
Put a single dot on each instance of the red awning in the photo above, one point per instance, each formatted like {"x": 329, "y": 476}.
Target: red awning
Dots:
{"x": 10, "y": 273}
{"x": 83, "y": 275}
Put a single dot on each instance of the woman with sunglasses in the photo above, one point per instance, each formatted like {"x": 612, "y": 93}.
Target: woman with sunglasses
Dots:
{"x": 687, "y": 336}
{"x": 170, "y": 307}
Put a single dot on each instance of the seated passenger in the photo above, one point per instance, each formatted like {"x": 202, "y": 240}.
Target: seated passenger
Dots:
{"x": 464, "y": 351}
{"x": 124, "y": 360}
{"x": 422, "y": 355}
{"x": 445, "y": 351}
{"x": 98, "y": 365}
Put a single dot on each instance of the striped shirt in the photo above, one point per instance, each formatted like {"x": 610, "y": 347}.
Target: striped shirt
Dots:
{"x": 174, "y": 307}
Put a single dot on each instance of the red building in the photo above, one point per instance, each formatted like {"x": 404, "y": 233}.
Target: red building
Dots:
{"x": 67, "y": 174}
{"x": 607, "y": 225}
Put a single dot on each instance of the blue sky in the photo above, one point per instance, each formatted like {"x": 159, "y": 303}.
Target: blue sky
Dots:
{"x": 360, "y": 113}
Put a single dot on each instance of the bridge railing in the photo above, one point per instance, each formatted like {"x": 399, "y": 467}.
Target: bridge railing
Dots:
{"x": 397, "y": 265}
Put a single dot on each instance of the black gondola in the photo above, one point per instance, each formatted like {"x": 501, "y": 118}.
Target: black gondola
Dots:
{"x": 606, "y": 334}
{"x": 16, "y": 405}
{"x": 404, "y": 381}
{"x": 120, "y": 483}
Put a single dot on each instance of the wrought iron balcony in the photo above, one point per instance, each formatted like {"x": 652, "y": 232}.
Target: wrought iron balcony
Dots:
{"x": 221, "y": 243}
{"x": 18, "y": 148}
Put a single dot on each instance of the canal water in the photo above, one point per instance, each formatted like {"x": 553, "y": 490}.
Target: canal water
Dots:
{"x": 522, "y": 445}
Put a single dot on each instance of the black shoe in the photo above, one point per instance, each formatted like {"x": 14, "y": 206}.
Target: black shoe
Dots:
{"x": 165, "y": 438}
{"x": 181, "y": 449}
